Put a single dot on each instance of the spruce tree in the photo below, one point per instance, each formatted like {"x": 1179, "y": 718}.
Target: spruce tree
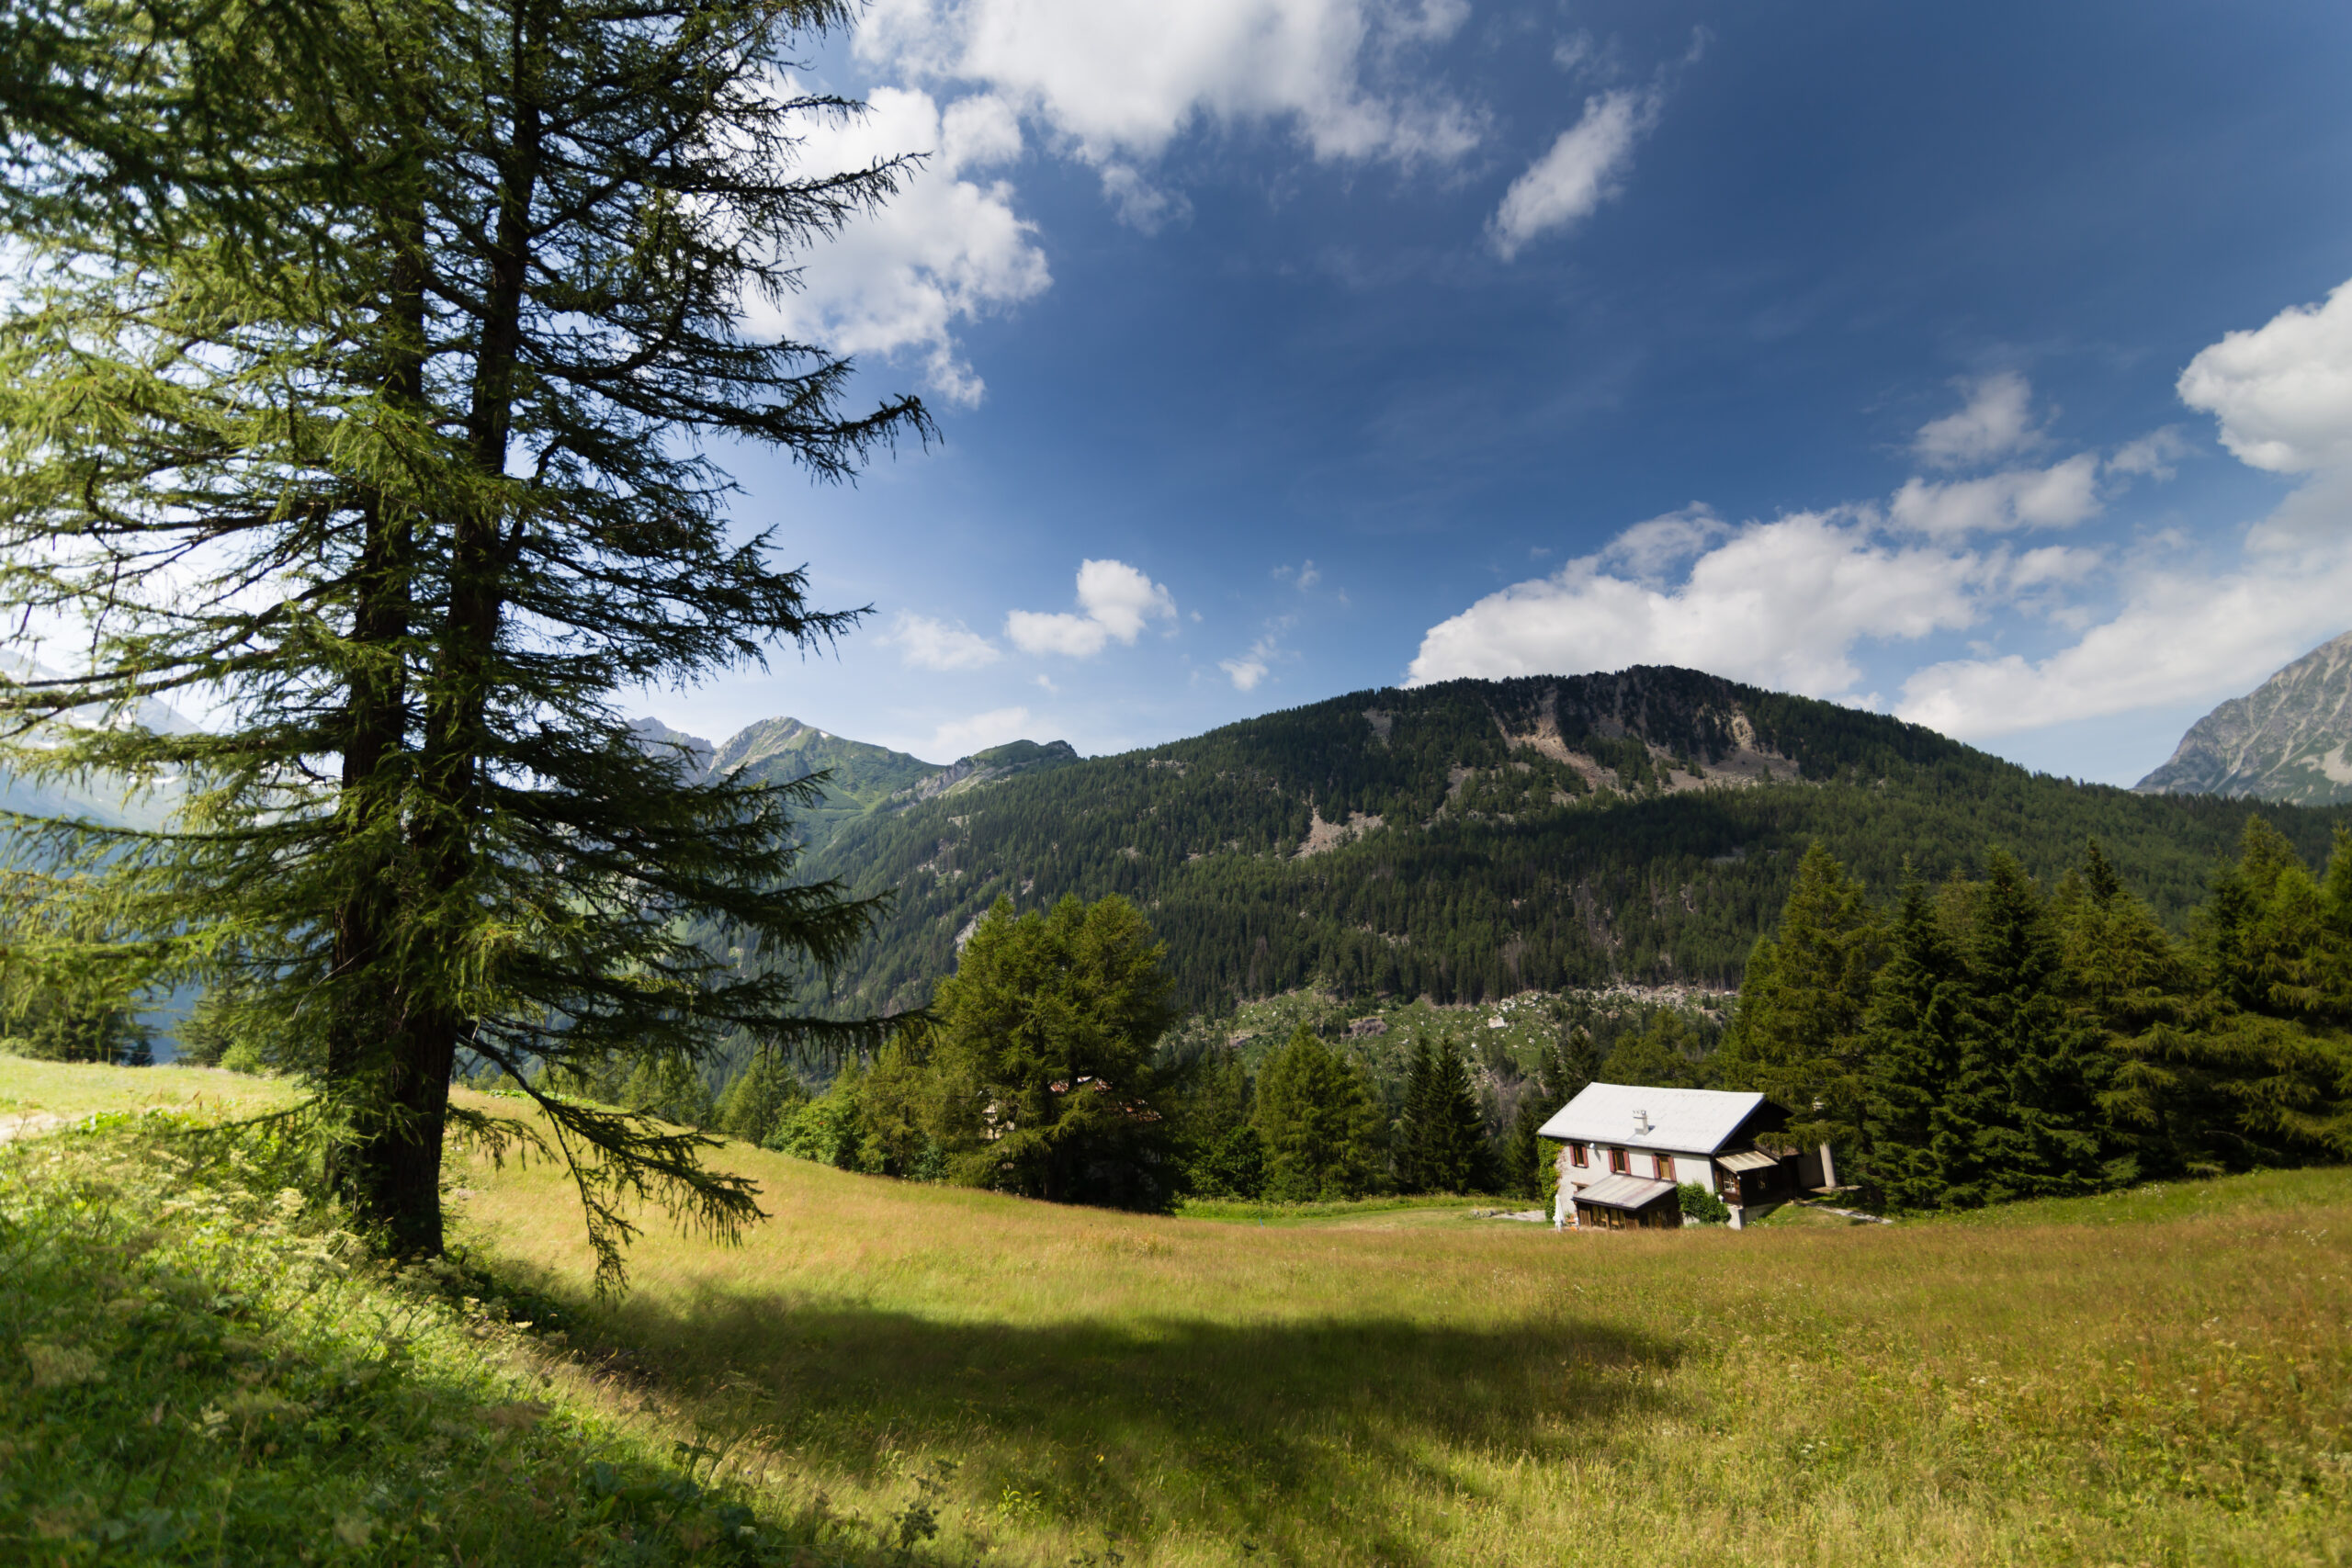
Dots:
{"x": 1913, "y": 1045}
{"x": 1316, "y": 1117}
{"x": 1526, "y": 1170}
{"x": 1800, "y": 1041}
{"x": 759, "y": 1096}
{"x": 2129, "y": 989}
{"x": 358, "y": 387}
{"x": 2260, "y": 1071}
{"x": 1046, "y": 1030}
{"x": 1416, "y": 1158}
{"x": 1667, "y": 1052}
{"x": 1460, "y": 1157}
{"x": 2022, "y": 1120}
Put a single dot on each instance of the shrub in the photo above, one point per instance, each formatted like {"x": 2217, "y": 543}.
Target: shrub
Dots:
{"x": 1703, "y": 1205}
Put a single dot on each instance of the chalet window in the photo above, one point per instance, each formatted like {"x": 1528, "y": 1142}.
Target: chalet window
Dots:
{"x": 1575, "y": 1154}
{"x": 1618, "y": 1162}
{"x": 1664, "y": 1165}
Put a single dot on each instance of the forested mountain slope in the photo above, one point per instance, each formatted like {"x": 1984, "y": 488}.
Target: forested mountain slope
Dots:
{"x": 1478, "y": 837}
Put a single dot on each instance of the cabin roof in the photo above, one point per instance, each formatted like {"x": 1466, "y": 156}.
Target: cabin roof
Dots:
{"x": 1682, "y": 1121}
{"x": 1624, "y": 1193}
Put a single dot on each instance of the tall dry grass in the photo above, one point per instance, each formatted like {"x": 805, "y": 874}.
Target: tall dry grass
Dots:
{"x": 2151, "y": 1379}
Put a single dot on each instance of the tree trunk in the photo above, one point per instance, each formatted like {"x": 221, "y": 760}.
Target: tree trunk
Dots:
{"x": 402, "y": 1157}
{"x": 364, "y": 1025}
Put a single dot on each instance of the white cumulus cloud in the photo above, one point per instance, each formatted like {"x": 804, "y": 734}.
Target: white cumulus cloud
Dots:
{"x": 1788, "y": 603}
{"x": 2282, "y": 396}
{"x": 1247, "y": 670}
{"x": 1118, "y": 79}
{"x": 2056, "y": 497}
{"x": 930, "y": 644}
{"x": 2180, "y": 636}
{"x": 1115, "y": 602}
{"x": 1780, "y": 604}
{"x": 1581, "y": 171}
{"x": 2283, "y": 391}
{"x": 1996, "y": 422}
{"x": 948, "y": 248}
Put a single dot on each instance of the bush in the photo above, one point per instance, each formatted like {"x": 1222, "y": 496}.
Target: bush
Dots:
{"x": 1703, "y": 1205}
{"x": 829, "y": 1130}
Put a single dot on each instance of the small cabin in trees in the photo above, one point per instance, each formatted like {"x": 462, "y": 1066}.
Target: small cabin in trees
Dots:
{"x": 1626, "y": 1147}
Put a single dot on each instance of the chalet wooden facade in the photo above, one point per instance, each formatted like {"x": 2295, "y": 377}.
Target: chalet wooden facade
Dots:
{"x": 1625, "y": 1149}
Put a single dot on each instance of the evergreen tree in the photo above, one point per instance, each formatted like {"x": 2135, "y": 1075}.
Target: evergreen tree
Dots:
{"x": 670, "y": 1088}
{"x": 2259, "y": 1070}
{"x": 1235, "y": 1166}
{"x": 1526, "y": 1167}
{"x": 1913, "y": 1048}
{"x": 1209, "y": 1104}
{"x": 2022, "y": 1120}
{"x": 1566, "y": 1066}
{"x": 2130, "y": 993}
{"x": 902, "y": 1110}
{"x": 1047, "y": 1029}
{"x": 64, "y": 997}
{"x": 758, "y": 1097}
{"x": 1417, "y": 1161}
{"x": 1459, "y": 1157}
{"x": 1668, "y": 1052}
{"x": 1316, "y": 1115}
{"x": 359, "y": 374}
{"x": 1800, "y": 1040}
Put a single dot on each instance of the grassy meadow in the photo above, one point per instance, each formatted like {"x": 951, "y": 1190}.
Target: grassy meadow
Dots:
{"x": 199, "y": 1374}
{"x": 2155, "y": 1377}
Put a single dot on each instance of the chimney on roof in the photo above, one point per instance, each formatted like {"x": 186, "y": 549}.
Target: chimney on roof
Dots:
{"x": 1642, "y": 1123}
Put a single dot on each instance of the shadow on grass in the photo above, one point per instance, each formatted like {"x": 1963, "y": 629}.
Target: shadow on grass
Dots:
{"x": 1272, "y": 1434}
{"x": 188, "y": 1376}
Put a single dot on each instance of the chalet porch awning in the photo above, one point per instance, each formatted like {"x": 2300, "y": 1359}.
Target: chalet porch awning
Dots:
{"x": 1627, "y": 1192}
{"x": 1751, "y": 1159}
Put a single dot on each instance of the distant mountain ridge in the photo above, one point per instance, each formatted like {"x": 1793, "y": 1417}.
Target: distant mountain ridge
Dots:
{"x": 1467, "y": 840}
{"x": 103, "y": 797}
{"x": 860, "y": 777}
{"x": 2289, "y": 740}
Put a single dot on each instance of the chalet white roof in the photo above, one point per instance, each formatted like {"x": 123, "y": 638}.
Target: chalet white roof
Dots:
{"x": 1624, "y": 1191}
{"x": 1680, "y": 1121}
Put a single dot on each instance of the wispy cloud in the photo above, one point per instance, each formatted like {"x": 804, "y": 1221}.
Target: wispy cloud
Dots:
{"x": 1996, "y": 422}
{"x": 927, "y": 644}
{"x": 960, "y": 738}
{"x": 1583, "y": 168}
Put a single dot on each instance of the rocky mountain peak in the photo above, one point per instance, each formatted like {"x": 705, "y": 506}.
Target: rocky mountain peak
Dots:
{"x": 2289, "y": 740}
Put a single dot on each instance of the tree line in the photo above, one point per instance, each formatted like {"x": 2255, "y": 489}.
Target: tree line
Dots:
{"x": 1977, "y": 1040}
{"x": 1049, "y": 1067}
{"x": 1991, "y": 1038}
{"x": 1046, "y": 1067}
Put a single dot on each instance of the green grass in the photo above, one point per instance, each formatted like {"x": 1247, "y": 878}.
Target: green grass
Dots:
{"x": 1374, "y": 1211}
{"x": 194, "y": 1369}
{"x": 2160, "y": 1377}
{"x": 71, "y": 1089}
{"x": 1404, "y": 1387}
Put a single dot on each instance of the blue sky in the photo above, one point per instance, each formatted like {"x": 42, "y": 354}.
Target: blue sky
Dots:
{"x": 1979, "y": 363}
